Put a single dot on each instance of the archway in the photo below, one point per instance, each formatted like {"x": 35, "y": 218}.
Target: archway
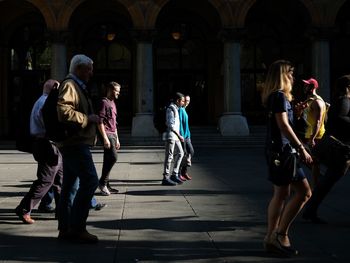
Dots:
{"x": 27, "y": 64}
{"x": 102, "y": 32}
{"x": 275, "y": 30}
{"x": 188, "y": 56}
{"x": 340, "y": 52}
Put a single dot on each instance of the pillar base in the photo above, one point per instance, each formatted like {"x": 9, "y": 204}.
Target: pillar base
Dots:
{"x": 143, "y": 126}
{"x": 233, "y": 124}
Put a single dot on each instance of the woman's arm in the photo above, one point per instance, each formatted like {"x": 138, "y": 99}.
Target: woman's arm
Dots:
{"x": 286, "y": 130}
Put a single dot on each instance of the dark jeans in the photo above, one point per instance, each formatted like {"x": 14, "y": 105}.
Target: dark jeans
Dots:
{"x": 48, "y": 175}
{"x": 189, "y": 152}
{"x": 79, "y": 184}
{"x": 323, "y": 187}
{"x": 110, "y": 157}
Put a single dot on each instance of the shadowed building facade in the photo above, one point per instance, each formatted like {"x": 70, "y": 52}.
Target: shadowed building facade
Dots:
{"x": 217, "y": 51}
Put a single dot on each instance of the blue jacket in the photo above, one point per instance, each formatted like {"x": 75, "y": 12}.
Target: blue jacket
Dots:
{"x": 184, "y": 127}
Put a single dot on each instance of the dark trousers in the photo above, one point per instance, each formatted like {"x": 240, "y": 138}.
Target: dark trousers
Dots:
{"x": 323, "y": 187}
{"x": 53, "y": 193}
{"x": 189, "y": 152}
{"x": 110, "y": 157}
{"x": 79, "y": 184}
{"x": 47, "y": 175}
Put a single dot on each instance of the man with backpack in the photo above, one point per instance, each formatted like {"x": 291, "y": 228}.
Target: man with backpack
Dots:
{"x": 173, "y": 140}
{"x": 314, "y": 112}
{"x": 46, "y": 153}
{"x": 74, "y": 108}
{"x": 338, "y": 162}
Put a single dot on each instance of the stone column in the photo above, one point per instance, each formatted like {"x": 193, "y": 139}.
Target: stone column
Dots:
{"x": 4, "y": 118}
{"x": 59, "y": 55}
{"x": 321, "y": 61}
{"x": 232, "y": 122}
{"x": 142, "y": 123}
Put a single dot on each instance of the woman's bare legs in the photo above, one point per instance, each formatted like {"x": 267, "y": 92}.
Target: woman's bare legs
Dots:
{"x": 301, "y": 194}
{"x": 275, "y": 208}
{"x": 281, "y": 214}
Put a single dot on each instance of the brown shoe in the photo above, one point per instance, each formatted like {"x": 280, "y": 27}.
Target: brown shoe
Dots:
{"x": 84, "y": 237}
{"x": 25, "y": 218}
{"x": 65, "y": 235}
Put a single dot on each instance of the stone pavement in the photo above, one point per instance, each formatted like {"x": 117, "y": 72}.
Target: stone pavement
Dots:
{"x": 219, "y": 216}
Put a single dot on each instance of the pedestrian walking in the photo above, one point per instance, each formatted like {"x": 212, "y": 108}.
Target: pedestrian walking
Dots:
{"x": 284, "y": 174}
{"x": 109, "y": 132}
{"x": 338, "y": 125}
{"x": 173, "y": 141}
{"x": 74, "y": 108}
{"x": 46, "y": 153}
{"x": 187, "y": 144}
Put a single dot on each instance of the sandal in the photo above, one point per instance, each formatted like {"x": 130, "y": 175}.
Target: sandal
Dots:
{"x": 286, "y": 250}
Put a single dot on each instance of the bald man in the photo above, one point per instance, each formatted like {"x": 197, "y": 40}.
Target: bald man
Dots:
{"x": 50, "y": 170}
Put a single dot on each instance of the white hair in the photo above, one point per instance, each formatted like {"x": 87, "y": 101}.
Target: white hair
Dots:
{"x": 78, "y": 60}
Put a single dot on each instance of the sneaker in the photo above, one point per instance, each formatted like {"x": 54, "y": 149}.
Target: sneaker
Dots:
{"x": 176, "y": 179}
{"x": 112, "y": 190}
{"x": 104, "y": 190}
{"x": 182, "y": 178}
{"x": 167, "y": 181}
{"x": 187, "y": 176}
{"x": 99, "y": 206}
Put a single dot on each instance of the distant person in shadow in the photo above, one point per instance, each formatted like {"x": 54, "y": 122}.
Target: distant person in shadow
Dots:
{"x": 338, "y": 125}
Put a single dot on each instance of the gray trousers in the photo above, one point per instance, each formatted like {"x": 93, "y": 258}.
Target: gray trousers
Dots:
{"x": 173, "y": 151}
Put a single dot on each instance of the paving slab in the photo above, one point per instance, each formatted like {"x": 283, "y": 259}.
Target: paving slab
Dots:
{"x": 219, "y": 216}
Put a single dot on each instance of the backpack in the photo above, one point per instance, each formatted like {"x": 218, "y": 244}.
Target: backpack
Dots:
{"x": 159, "y": 119}
{"x": 56, "y": 131}
{"x": 301, "y": 125}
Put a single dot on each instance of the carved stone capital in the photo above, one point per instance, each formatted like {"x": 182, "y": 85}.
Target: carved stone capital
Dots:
{"x": 321, "y": 33}
{"x": 143, "y": 35}
{"x": 232, "y": 34}
{"x": 58, "y": 36}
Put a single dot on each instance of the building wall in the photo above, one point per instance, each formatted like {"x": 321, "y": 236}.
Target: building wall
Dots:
{"x": 266, "y": 30}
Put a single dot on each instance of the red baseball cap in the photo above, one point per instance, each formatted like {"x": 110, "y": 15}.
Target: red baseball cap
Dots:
{"x": 312, "y": 82}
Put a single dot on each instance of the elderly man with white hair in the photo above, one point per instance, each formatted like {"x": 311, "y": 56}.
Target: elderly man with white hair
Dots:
{"x": 74, "y": 108}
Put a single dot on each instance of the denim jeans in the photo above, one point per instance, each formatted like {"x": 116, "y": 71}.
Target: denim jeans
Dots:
{"x": 187, "y": 159}
{"x": 110, "y": 157}
{"x": 173, "y": 150}
{"x": 80, "y": 181}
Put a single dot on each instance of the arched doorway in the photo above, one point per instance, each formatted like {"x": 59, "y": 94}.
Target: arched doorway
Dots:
{"x": 340, "y": 52}
{"x": 106, "y": 39}
{"x": 29, "y": 60}
{"x": 186, "y": 57}
{"x": 275, "y": 30}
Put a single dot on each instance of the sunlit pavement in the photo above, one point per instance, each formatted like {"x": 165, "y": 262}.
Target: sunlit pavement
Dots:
{"x": 219, "y": 216}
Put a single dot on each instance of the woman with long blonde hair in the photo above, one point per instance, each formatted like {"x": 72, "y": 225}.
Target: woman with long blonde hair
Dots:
{"x": 288, "y": 197}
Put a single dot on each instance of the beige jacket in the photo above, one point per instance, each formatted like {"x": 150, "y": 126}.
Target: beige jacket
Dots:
{"x": 73, "y": 108}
